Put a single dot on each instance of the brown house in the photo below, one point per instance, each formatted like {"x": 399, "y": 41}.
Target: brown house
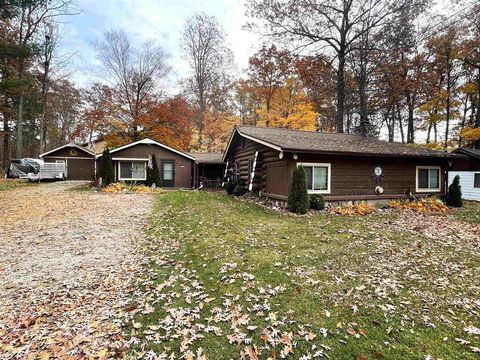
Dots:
{"x": 130, "y": 163}
{"x": 177, "y": 169}
{"x": 338, "y": 166}
{"x": 79, "y": 161}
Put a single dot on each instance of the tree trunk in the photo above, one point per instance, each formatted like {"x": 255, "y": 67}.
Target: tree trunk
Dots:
{"x": 429, "y": 132}
{"x": 6, "y": 139}
{"x": 449, "y": 87}
{"x": 477, "y": 117}
{"x": 400, "y": 124}
{"x": 340, "y": 91}
{"x": 410, "y": 127}
{"x": 19, "y": 139}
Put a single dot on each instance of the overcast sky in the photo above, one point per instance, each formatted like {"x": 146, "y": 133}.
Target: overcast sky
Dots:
{"x": 161, "y": 20}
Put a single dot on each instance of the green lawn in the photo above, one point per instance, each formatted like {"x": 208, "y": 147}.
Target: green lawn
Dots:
{"x": 470, "y": 212}
{"x": 10, "y": 184}
{"x": 229, "y": 277}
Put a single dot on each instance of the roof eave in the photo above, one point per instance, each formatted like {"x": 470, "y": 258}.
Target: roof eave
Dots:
{"x": 67, "y": 145}
{"x": 350, "y": 153}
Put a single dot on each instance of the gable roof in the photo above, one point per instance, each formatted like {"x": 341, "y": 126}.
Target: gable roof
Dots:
{"x": 470, "y": 152}
{"x": 329, "y": 143}
{"x": 207, "y": 158}
{"x": 68, "y": 145}
{"x": 149, "y": 142}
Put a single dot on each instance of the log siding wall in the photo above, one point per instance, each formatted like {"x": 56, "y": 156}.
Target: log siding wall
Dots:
{"x": 352, "y": 177}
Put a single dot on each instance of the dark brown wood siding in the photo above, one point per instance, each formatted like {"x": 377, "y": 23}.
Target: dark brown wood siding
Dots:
{"x": 276, "y": 178}
{"x": 70, "y": 151}
{"x": 183, "y": 166}
{"x": 352, "y": 177}
{"x": 80, "y": 164}
{"x": 244, "y": 153}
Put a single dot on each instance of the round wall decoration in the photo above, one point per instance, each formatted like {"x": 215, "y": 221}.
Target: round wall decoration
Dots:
{"x": 378, "y": 173}
{"x": 72, "y": 152}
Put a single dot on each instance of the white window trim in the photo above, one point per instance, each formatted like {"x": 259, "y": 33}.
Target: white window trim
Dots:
{"x": 132, "y": 179}
{"x": 418, "y": 190}
{"x": 329, "y": 177}
{"x": 475, "y": 173}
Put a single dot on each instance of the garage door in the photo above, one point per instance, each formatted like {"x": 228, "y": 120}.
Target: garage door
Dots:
{"x": 80, "y": 169}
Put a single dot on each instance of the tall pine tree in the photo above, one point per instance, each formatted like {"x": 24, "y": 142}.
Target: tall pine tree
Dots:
{"x": 153, "y": 174}
{"x": 298, "y": 201}
{"x": 106, "y": 169}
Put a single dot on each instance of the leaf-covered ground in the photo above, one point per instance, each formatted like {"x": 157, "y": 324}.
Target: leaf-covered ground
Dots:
{"x": 67, "y": 267}
{"x": 229, "y": 279}
{"x": 11, "y": 184}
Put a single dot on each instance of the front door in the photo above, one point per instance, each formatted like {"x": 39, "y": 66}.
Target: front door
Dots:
{"x": 168, "y": 173}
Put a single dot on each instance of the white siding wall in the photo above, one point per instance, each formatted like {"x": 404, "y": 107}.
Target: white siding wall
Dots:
{"x": 466, "y": 181}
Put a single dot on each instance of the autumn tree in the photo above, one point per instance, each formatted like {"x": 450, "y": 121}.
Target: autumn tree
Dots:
{"x": 268, "y": 71}
{"x": 30, "y": 15}
{"x": 317, "y": 78}
{"x": 136, "y": 75}
{"x": 205, "y": 50}
{"x": 470, "y": 55}
{"x": 334, "y": 24}
{"x": 168, "y": 122}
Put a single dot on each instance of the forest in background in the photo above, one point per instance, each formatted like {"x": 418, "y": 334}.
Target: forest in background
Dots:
{"x": 394, "y": 69}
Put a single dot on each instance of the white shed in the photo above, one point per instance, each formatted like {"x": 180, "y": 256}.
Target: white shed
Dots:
{"x": 467, "y": 166}
{"x": 470, "y": 182}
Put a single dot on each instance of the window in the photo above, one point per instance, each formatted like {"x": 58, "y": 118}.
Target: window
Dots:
{"x": 132, "y": 170}
{"x": 428, "y": 178}
{"x": 168, "y": 170}
{"x": 318, "y": 177}
{"x": 476, "y": 180}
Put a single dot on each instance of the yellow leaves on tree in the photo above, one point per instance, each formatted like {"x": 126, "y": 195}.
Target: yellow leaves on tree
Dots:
{"x": 289, "y": 108}
{"x": 470, "y": 134}
{"x": 218, "y": 127}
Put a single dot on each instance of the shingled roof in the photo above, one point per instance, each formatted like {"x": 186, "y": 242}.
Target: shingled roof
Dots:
{"x": 470, "y": 152}
{"x": 331, "y": 143}
{"x": 207, "y": 158}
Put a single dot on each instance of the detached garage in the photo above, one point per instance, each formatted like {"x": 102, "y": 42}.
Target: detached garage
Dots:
{"x": 79, "y": 161}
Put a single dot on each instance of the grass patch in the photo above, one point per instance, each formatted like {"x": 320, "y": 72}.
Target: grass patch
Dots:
{"x": 233, "y": 278}
{"x": 83, "y": 187}
{"x": 470, "y": 212}
{"x": 11, "y": 184}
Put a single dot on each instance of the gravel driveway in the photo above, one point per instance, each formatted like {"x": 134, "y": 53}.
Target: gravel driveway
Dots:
{"x": 67, "y": 265}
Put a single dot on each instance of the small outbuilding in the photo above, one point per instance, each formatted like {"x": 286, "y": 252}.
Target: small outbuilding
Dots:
{"x": 79, "y": 161}
{"x": 341, "y": 167}
{"x": 468, "y": 169}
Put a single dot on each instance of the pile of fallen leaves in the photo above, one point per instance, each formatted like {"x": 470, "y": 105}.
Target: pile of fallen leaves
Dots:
{"x": 354, "y": 210}
{"x": 123, "y": 187}
{"x": 425, "y": 205}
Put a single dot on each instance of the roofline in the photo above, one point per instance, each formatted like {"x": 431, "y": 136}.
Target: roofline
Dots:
{"x": 250, "y": 137}
{"x": 440, "y": 155}
{"x": 148, "y": 141}
{"x": 67, "y": 145}
{"x": 467, "y": 152}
